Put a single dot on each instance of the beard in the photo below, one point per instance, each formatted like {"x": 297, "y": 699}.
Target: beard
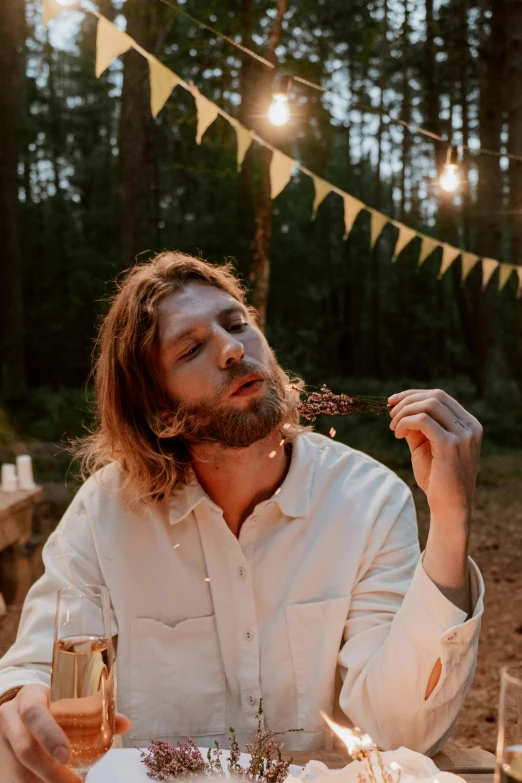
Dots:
{"x": 218, "y": 422}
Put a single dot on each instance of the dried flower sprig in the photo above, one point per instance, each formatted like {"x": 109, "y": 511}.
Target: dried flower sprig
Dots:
{"x": 325, "y": 401}
{"x": 165, "y": 762}
{"x": 362, "y": 749}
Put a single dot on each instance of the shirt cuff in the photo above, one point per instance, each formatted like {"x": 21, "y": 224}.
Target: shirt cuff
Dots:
{"x": 19, "y": 679}
{"x": 430, "y": 618}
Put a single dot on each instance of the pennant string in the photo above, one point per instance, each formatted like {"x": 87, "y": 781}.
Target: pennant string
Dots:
{"x": 352, "y": 206}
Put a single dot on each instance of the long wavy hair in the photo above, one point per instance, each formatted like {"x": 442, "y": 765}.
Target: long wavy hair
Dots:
{"x": 130, "y": 400}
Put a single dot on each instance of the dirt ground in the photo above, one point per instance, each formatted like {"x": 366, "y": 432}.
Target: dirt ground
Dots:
{"x": 497, "y": 549}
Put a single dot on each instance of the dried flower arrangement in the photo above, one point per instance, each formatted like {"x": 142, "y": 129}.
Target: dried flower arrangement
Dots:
{"x": 325, "y": 401}
{"x": 165, "y": 762}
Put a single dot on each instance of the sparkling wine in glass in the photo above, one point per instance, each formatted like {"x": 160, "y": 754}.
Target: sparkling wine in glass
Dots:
{"x": 509, "y": 745}
{"x": 82, "y": 678}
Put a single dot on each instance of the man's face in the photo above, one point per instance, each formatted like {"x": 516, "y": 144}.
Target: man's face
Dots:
{"x": 208, "y": 348}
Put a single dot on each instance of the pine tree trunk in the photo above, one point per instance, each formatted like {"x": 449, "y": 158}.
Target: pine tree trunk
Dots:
{"x": 12, "y": 79}
{"x": 135, "y": 110}
{"x": 489, "y": 195}
{"x": 376, "y": 255}
{"x": 514, "y": 113}
{"x": 264, "y": 210}
{"x": 245, "y": 206}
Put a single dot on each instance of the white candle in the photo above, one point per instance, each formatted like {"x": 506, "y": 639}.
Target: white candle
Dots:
{"x": 9, "y": 482}
{"x": 24, "y": 466}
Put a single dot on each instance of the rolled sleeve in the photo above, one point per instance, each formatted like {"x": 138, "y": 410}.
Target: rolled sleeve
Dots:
{"x": 432, "y": 619}
{"x": 400, "y": 625}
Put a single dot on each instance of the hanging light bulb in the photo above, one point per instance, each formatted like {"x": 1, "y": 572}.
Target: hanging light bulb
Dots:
{"x": 450, "y": 177}
{"x": 279, "y": 109}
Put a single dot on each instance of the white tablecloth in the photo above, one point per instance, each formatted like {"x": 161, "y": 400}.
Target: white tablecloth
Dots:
{"x": 124, "y": 765}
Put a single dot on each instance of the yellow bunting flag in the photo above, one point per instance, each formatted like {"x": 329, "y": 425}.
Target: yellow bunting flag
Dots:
{"x": 505, "y": 271}
{"x": 449, "y": 254}
{"x": 162, "y": 82}
{"x": 322, "y": 189}
{"x": 207, "y": 113}
{"x": 281, "y": 167}
{"x": 468, "y": 262}
{"x": 404, "y": 238}
{"x": 110, "y": 43}
{"x": 427, "y": 247}
{"x": 378, "y": 221}
{"x": 50, "y": 9}
{"x": 352, "y": 207}
{"x": 244, "y": 140}
{"x": 488, "y": 267}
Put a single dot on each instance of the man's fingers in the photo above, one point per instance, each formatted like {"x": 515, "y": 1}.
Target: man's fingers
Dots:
{"x": 27, "y": 761}
{"x": 121, "y": 723}
{"x": 434, "y": 408}
{"x": 415, "y": 395}
{"x": 33, "y": 706}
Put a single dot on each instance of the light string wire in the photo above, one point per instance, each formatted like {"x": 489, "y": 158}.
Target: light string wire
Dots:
{"x": 190, "y": 87}
{"x": 355, "y": 105}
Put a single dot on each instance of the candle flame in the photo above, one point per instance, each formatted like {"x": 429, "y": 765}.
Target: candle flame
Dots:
{"x": 352, "y": 742}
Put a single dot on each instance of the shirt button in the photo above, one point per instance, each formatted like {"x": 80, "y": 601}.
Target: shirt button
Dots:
{"x": 249, "y": 635}
{"x": 252, "y": 700}
{"x": 241, "y": 572}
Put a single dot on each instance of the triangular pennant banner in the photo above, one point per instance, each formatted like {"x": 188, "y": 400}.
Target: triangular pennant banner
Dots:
{"x": 378, "y": 221}
{"x": 404, "y": 238}
{"x": 468, "y": 262}
{"x": 281, "y": 167}
{"x": 427, "y": 247}
{"x": 162, "y": 82}
{"x": 488, "y": 267}
{"x": 505, "y": 272}
{"x": 449, "y": 254}
{"x": 50, "y": 9}
{"x": 322, "y": 189}
{"x": 519, "y": 273}
{"x": 352, "y": 207}
{"x": 207, "y": 113}
{"x": 110, "y": 43}
{"x": 244, "y": 140}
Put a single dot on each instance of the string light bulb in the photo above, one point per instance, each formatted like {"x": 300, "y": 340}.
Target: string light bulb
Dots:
{"x": 450, "y": 177}
{"x": 279, "y": 109}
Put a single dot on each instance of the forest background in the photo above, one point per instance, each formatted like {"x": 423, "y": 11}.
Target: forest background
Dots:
{"x": 90, "y": 182}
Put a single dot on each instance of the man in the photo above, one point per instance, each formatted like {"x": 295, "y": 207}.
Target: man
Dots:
{"x": 246, "y": 556}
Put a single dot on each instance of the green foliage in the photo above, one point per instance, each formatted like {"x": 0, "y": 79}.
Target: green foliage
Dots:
{"x": 336, "y": 309}
{"x": 51, "y": 414}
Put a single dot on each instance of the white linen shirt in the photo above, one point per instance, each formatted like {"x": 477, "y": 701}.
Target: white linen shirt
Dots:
{"x": 324, "y": 580}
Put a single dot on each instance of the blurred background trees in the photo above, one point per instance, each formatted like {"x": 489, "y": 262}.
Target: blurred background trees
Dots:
{"x": 89, "y": 182}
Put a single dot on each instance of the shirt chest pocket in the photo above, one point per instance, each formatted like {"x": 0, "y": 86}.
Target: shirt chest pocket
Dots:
{"x": 316, "y": 635}
{"x": 177, "y": 679}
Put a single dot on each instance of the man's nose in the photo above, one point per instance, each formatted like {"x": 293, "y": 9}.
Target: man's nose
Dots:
{"x": 231, "y": 350}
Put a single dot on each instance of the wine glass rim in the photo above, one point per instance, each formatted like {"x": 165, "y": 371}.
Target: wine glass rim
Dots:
{"x": 101, "y": 589}
{"x": 512, "y": 672}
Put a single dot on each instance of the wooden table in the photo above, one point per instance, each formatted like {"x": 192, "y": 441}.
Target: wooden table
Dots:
{"x": 474, "y": 765}
{"x": 16, "y": 512}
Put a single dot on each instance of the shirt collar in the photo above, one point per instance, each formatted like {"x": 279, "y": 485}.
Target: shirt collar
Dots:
{"x": 293, "y": 498}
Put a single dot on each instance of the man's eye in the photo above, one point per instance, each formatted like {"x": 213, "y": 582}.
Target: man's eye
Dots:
{"x": 238, "y": 327}
{"x": 193, "y": 351}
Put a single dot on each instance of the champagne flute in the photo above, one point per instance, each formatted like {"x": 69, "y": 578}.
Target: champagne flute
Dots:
{"x": 509, "y": 745}
{"x": 82, "y": 677}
